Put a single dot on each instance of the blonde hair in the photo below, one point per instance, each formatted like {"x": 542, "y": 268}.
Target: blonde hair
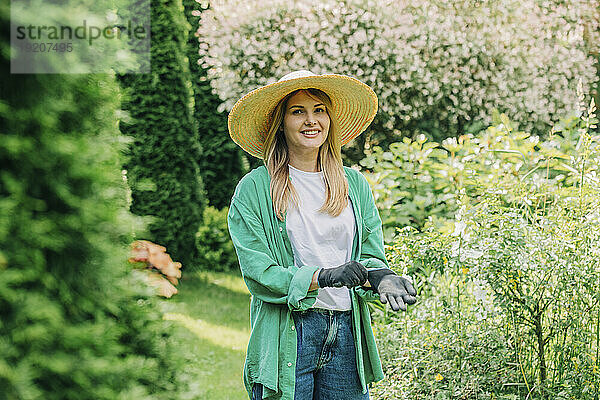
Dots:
{"x": 276, "y": 158}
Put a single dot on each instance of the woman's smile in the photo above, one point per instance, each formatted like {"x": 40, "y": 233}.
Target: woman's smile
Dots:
{"x": 311, "y": 132}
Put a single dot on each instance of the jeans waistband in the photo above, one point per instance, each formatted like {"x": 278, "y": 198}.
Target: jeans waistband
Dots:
{"x": 325, "y": 311}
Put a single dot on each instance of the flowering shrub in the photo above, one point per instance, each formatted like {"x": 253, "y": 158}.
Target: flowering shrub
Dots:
{"x": 438, "y": 67}
{"x": 515, "y": 279}
{"x": 416, "y": 181}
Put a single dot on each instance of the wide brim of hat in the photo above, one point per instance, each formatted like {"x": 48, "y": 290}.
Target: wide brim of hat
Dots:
{"x": 354, "y": 106}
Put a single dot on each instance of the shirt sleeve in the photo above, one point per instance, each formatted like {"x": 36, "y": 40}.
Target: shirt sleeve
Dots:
{"x": 264, "y": 276}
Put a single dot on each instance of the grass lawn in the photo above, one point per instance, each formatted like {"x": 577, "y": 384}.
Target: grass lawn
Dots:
{"x": 213, "y": 310}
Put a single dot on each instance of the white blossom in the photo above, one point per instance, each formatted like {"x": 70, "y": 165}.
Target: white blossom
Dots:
{"x": 444, "y": 58}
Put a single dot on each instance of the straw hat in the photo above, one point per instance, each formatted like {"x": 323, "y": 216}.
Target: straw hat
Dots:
{"x": 354, "y": 106}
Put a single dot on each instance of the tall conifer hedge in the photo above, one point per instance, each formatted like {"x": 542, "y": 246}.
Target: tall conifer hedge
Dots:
{"x": 73, "y": 322}
{"x": 162, "y": 166}
{"x": 221, "y": 159}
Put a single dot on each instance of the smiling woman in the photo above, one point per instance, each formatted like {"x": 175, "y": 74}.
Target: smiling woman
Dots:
{"x": 306, "y": 119}
{"x": 309, "y": 241}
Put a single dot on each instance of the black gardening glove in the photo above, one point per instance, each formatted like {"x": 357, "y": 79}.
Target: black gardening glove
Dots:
{"x": 350, "y": 274}
{"x": 396, "y": 290}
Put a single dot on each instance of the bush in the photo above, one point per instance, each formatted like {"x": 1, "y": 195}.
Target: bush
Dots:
{"x": 162, "y": 161}
{"x": 417, "y": 181}
{"x": 439, "y": 67}
{"x": 413, "y": 182}
{"x": 74, "y": 323}
{"x": 516, "y": 275}
{"x": 221, "y": 160}
{"x": 214, "y": 243}
{"x": 543, "y": 270}
{"x": 451, "y": 345}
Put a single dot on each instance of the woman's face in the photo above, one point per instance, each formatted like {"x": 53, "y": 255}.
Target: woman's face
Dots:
{"x": 305, "y": 123}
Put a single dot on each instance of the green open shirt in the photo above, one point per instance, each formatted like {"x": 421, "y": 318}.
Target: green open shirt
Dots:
{"x": 278, "y": 287}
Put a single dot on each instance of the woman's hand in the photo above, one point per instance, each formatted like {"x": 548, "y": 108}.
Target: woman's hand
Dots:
{"x": 393, "y": 289}
{"x": 349, "y": 274}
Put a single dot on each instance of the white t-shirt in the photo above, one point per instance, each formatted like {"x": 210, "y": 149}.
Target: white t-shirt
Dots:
{"x": 318, "y": 238}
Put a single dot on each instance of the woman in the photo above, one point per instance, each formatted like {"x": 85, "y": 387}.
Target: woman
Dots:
{"x": 309, "y": 240}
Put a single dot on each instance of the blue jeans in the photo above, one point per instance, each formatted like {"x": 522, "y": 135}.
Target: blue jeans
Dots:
{"x": 326, "y": 362}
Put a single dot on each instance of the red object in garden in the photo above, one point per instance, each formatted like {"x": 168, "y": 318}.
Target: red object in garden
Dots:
{"x": 161, "y": 271}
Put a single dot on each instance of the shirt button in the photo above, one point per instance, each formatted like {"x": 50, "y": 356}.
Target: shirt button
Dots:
{"x": 289, "y": 364}
{"x": 293, "y": 328}
{"x": 280, "y": 229}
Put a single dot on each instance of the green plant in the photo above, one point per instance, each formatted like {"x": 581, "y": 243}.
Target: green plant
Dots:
{"x": 162, "y": 159}
{"x": 221, "y": 161}
{"x": 216, "y": 251}
{"x": 74, "y": 323}
{"x": 448, "y": 346}
{"x": 544, "y": 276}
{"x": 418, "y": 181}
{"x": 412, "y": 183}
{"x": 523, "y": 243}
{"x": 538, "y": 255}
